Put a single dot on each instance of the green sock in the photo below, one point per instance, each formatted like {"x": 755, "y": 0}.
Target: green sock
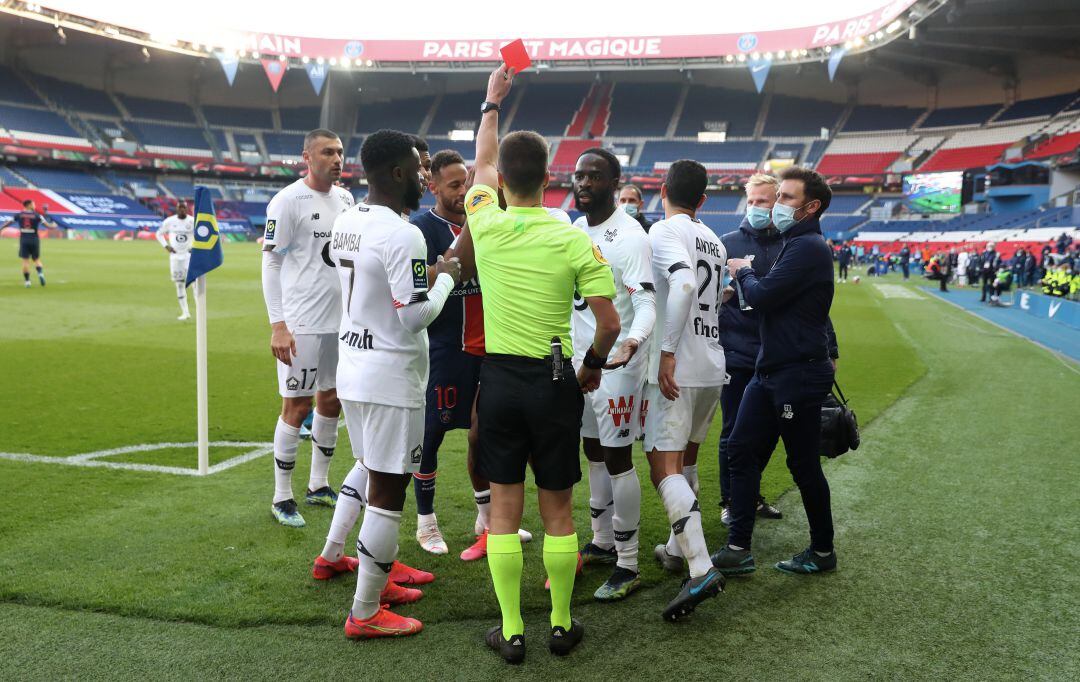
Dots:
{"x": 504, "y": 562}
{"x": 560, "y": 560}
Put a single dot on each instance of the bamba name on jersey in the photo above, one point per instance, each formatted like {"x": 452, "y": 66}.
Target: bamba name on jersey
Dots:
{"x": 346, "y": 241}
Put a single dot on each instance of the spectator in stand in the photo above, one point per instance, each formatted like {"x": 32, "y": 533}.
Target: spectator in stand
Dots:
{"x": 1063, "y": 243}
{"x": 630, "y": 200}
{"x": 844, "y": 258}
{"x": 988, "y": 267}
{"x": 1016, "y": 266}
{"x": 1030, "y": 268}
{"x": 905, "y": 261}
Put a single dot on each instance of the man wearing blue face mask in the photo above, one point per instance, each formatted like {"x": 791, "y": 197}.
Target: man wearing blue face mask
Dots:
{"x": 792, "y": 376}
{"x": 631, "y": 201}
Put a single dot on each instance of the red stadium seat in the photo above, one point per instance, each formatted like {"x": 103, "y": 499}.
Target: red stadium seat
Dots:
{"x": 1059, "y": 144}
{"x": 856, "y": 164}
{"x": 961, "y": 158}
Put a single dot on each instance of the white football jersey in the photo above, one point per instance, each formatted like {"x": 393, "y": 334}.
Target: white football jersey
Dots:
{"x": 177, "y": 233}
{"x": 298, "y": 224}
{"x": 625, "y": 245}
{"x": 381, "y": 262}
{"x": 684, "y": 242}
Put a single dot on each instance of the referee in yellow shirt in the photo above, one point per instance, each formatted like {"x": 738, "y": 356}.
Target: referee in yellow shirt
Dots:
{"x": 529, "y": 406}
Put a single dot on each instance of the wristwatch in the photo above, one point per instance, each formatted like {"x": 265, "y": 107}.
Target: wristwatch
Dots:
{"x": 489, "y": 106}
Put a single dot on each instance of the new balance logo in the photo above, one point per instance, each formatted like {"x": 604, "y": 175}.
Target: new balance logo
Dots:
{"x": 358, "y": 341}
{"x": 384, "y": 566}
{"x": 623, "y": 433}
{"x": 679, "y": 526}
{"x": 620, "y": 414}
{"x": 327, "y": 452}
{"x": 283, "y": 465}
{"x": 624, "y": 535}
{"x": 350, "y": 491}
{"x": 596, "y": 513}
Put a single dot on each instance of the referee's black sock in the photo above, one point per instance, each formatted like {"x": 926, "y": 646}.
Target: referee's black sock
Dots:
{"x": 26, "y": 276}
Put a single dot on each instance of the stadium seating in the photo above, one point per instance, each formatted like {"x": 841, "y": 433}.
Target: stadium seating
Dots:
{"x": 787, "y": 150}
{"x": 78, "y": 97}
{"x": 14, "y": 90}
{"x": 716, "y": 156}
{"x": 130, "y": 180}
{"x": 401, "y": 114}
{"x": 466, "y": 148}
{"x": 171, "y": 139}
{"x": 283, "y": 145}
{"x": 1059, "y": 144}
{"x": 858, "y": 155}
{"x": 975, "y": 148}
{"x": 567, "y": 153}
{"x": 642, "y": 109}
{"x": 158, "y": 110}
{"x": 352, "y": 152}
{"x": 847, "y": 203}
{"x": 738, "y": 108}
{"x": 791, "y": 116}
{"x": 960, "y": 116}
{"x": 1041, "y": 107}
{"x": 458, "y": 110}
{"x": 547, "y": 108}
{"x": 38, "y": 121}
{"x": 721, "y": 203}
{"x": 300, "y": 118}
{"x": 237, "y": 117}
{"x": 555, "y": 196}
{"x": 57, "y": 178}
{"x": 867, "y": 118}
{"x": 817, "y": 148}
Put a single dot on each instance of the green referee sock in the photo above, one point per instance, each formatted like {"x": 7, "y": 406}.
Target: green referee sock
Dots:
{"x": 560, "y": 560}
{"x": 504, "y": 562}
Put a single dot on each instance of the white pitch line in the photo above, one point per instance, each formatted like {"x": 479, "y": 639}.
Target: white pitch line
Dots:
{"x": 92, "y": 459}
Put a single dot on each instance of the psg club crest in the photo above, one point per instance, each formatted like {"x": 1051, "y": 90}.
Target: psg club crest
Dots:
{"x": 354, "y": 49}
{"x": 747, "y": 42}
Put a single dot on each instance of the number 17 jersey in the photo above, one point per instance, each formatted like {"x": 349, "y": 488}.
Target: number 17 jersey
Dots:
{"x": 682, "y": 242}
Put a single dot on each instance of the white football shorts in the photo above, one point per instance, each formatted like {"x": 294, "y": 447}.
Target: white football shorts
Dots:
{"x": 385, "y": 438}
{"x": 612, "y": 413}
{"x": 314, "y": 367}
{"x": 671, "y": 424}
{"x": 178, "y": 266}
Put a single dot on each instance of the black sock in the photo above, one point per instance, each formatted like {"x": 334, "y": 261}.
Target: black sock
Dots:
{"x": 26, "y": 276}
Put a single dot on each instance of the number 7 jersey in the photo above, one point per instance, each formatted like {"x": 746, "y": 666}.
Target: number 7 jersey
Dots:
{"x": 682, "y": 242}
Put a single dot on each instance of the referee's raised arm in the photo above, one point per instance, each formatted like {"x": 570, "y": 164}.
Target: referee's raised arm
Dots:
{"x": 530, "y": 402}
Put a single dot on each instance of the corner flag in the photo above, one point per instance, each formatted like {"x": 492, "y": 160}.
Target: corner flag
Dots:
{"x": 206, "y": 246}
{"x": 205, "y": 256}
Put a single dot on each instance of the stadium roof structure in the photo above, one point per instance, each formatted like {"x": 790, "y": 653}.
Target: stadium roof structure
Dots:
{"x": 560, "y": 35}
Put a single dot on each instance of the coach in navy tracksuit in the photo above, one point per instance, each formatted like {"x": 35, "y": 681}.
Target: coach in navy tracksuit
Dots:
{"x": 793, "y": 375}
{"x": 758, "y": 241}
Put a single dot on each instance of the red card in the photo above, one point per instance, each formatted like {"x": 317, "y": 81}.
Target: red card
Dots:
{"x": 515, "y": 56}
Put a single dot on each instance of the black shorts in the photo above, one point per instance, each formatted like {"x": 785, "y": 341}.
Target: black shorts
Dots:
{"x": 30, "y": 248}
{"x": 451, "y": 389}
{"x": 525, "y": 417}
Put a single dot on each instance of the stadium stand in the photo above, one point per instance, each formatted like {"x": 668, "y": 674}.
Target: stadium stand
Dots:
{"x": 160, "y": 138}
{"x": 725, "y": 156}
{"x": 77, "y": 97}
{"x": 36, "y": 121}
{"x": 642, "y": 109}
{"x": 870, "y": 155}
{"x": 300, "y": 118}
{"x": 58, "y": 178}
{"x": 866, "y": 118}
{"x": 974, "y": 148}
{"x": 158, "y": 110}
{"x": 282, "y": 146}
{"x": 548, "y": 108}
{"x": 847, "y": 203}
{"x": 10, "y": 179}
{"x": 402, "y": 114}
{"x": 456, "y": 110}
{"x": 14, "y": 90}
{"x": 721, "y": 203}
{"x": 785, "y": 150}
{"x": 960, "y": 116}
{"x": 817, "y": 148}
{"x": 794, "y": 116}
{"x": 237, "y": 117}
{"x": 1042, "y": 107}
{"x": 738, "y": 108}
{"x": 567, "y": 153}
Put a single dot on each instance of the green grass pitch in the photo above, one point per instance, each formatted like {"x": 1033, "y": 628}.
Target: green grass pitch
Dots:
{"x": 956, "y": 520}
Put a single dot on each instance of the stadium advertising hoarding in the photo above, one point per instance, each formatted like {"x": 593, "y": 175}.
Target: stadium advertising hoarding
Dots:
{"x": 842, "y": 21}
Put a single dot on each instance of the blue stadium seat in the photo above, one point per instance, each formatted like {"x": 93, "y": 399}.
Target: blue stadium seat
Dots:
{"x": 130, "y": 179}
{"x": 787, "y": 151}
{"x": 352, "y": 152}
{"x": 846, "y": 203}
{"x": 77, "y": 97}
{"x": 245, "y": 142}
{"x": 160, "y": 110}
{"x": 300, "y": 118}
{"x": 9, "y": 179}
{"x": 13, "y": 89}
{"x": 41, "y": 121}
{"x": 816, "y": 150}
{"x": 739, "y": 153}
{"x": 721, "y": 203}
{"x": 162, "y": 135}
{"x": 739, "y": 108}
{"x": 463, "y": 147}
{"x": 284, "y": 144}
{"x": 799, "y": 116}
{"x": 457, "y": 110}
{"x": 237, "y": 117}
{"x": 869, "y": 117}
{"x": 400, "y": 114}
{"x": 548, "y": 108}
{"x": 185, "y": 188}
{"x": 58, "y": 178}
{"x": 1032, "y": 108}
{"x": 642, "y": 109}
{"x": 960, "y": 116}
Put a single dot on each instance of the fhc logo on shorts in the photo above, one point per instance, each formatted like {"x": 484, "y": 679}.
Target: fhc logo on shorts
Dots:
{"x": 292, "y": 383}
{"x": 620, "y": 414}
{"x": 417, "y": 454}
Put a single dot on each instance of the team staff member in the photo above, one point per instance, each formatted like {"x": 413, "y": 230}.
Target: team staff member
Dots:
{"x": 529, "y": 408}
{"x": 758, "y": 241}
{"x": 29, "y": 242}
{"x": 630, "y": 200}
{"x": 793, "y": 375}
{"x": 175, "y": 234}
